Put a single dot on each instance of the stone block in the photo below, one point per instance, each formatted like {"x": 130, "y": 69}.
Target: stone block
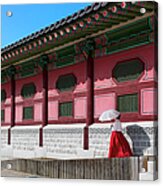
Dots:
{"x": 7, "y": 152}
{"x": 63, "y": 141}
{"x": 147, "y": 176}
{"x": 23, "y": 154}
{"x": 40, "y": 152}
{"x": 151, "y": 165}
{"x": 4, "y": 136}
{"x": 24, "y": 141}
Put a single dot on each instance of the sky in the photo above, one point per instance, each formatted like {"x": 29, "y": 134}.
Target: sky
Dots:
{"x": 29, "y": 18}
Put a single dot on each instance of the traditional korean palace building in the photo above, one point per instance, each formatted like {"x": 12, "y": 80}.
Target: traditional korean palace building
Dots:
{"x": 56, "y": 82}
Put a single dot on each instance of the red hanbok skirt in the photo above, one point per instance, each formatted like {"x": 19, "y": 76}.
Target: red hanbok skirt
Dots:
{"x": 119, "y": 147}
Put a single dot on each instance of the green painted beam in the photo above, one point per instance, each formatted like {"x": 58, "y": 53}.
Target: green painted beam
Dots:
{"x": 141, "y": 26}
{"x": 127, "y": 44}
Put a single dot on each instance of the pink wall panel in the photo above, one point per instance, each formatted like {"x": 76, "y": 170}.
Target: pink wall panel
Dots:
{"x": 7, "y": 114}
{"x": 53, "y": 110}
{"x": 149, "y": 101}
{"x": 38, "y": 111}
{"x": 37, "y": 80}
{"x": 6, "y": 87}
{"x": 104, "y": 102}
{"x": 19, "y": 113}
{"x": 52, "y": 93}
{"x": 80, "y": 108}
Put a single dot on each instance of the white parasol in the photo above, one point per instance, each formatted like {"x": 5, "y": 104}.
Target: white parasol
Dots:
{"x": 109, "y": 115}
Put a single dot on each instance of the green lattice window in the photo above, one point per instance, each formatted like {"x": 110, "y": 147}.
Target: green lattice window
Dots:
{"x": 3, "y": 95}
{"x": 2, "y": 115}
{"x": 27, "y": 113}
{"x": 28, "y": 90}
{"x": 128, "y": 103}
{"x": 65, "y": 109}
{"x": 128, "y": 71}
{"x": 66, "y": 83}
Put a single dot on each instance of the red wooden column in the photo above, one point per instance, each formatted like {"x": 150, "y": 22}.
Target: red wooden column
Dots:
{"x": 44, "y": 65}
{"x": 11, "y": 73}
{"x": 88, "y": 51}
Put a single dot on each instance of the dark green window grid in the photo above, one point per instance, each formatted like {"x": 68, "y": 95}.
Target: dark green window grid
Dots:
{"x": 66, "y": 83}
{"x": 128, "y": 71}
{"x": 65, "y": 109}
{"x": 128, "y": 103}
{"x": 27, "y": 113}
{"x": 28, "y": 90}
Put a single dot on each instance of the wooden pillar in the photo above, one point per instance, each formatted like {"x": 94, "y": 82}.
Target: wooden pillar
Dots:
{"x": 11, "y": 73}
{"x": 90, "y": 100}
{"x": 90, "y": 91}
{"x": 12, "y": 100}
{"x": 44, "y": 65}
{"x": 45, "y": 96}
{"x": 88, "y": 50}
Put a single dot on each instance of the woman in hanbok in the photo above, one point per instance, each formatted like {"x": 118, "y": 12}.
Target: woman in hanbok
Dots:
{"x": 119, "y": 146}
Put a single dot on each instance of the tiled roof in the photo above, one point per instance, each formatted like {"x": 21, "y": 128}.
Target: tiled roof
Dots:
{"x": 81, "y": 13}
{"x": 86, "y": 23}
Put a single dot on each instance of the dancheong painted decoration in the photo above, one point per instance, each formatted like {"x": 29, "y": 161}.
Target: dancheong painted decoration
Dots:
{"x": 79, "y": 97}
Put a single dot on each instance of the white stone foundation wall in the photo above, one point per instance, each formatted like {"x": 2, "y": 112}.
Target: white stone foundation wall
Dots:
{"x": 99, "y": 137}
{"x": 142, "y": 137}
{"x": 6, "y": 150}
{"x": 67, "y": 141}
{"x": 4, "y": 136}
{"x": 25, "y": 141}
{"x": 64, "y": 141}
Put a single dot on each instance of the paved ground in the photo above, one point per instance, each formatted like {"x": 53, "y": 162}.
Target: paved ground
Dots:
{"x": 11, "y": 173}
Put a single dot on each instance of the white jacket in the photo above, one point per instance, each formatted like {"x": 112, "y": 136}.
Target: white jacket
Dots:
{"x": 117, "y": 125}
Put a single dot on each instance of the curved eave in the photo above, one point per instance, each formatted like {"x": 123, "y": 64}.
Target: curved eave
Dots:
{"x": 92, "y": 19}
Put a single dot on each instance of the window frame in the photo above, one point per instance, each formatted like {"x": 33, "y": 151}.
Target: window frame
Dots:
{"x": 28, "y": 119}
{"x": 70, "y": 116}
{"x": 28, "y": 85}
{"x": 128, "y": 81}
{"x": 138, "y": 101}
{"x": 66, "y": 91}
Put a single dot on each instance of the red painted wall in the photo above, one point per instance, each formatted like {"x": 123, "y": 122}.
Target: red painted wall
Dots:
{"x": 105, "y": 84}
{"x": 6, "y": 106}
{"x": 35, "y": 101}
{"x": 106, "y": 89}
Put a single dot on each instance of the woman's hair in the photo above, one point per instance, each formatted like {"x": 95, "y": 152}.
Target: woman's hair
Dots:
{"x": 119, "y": 116}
